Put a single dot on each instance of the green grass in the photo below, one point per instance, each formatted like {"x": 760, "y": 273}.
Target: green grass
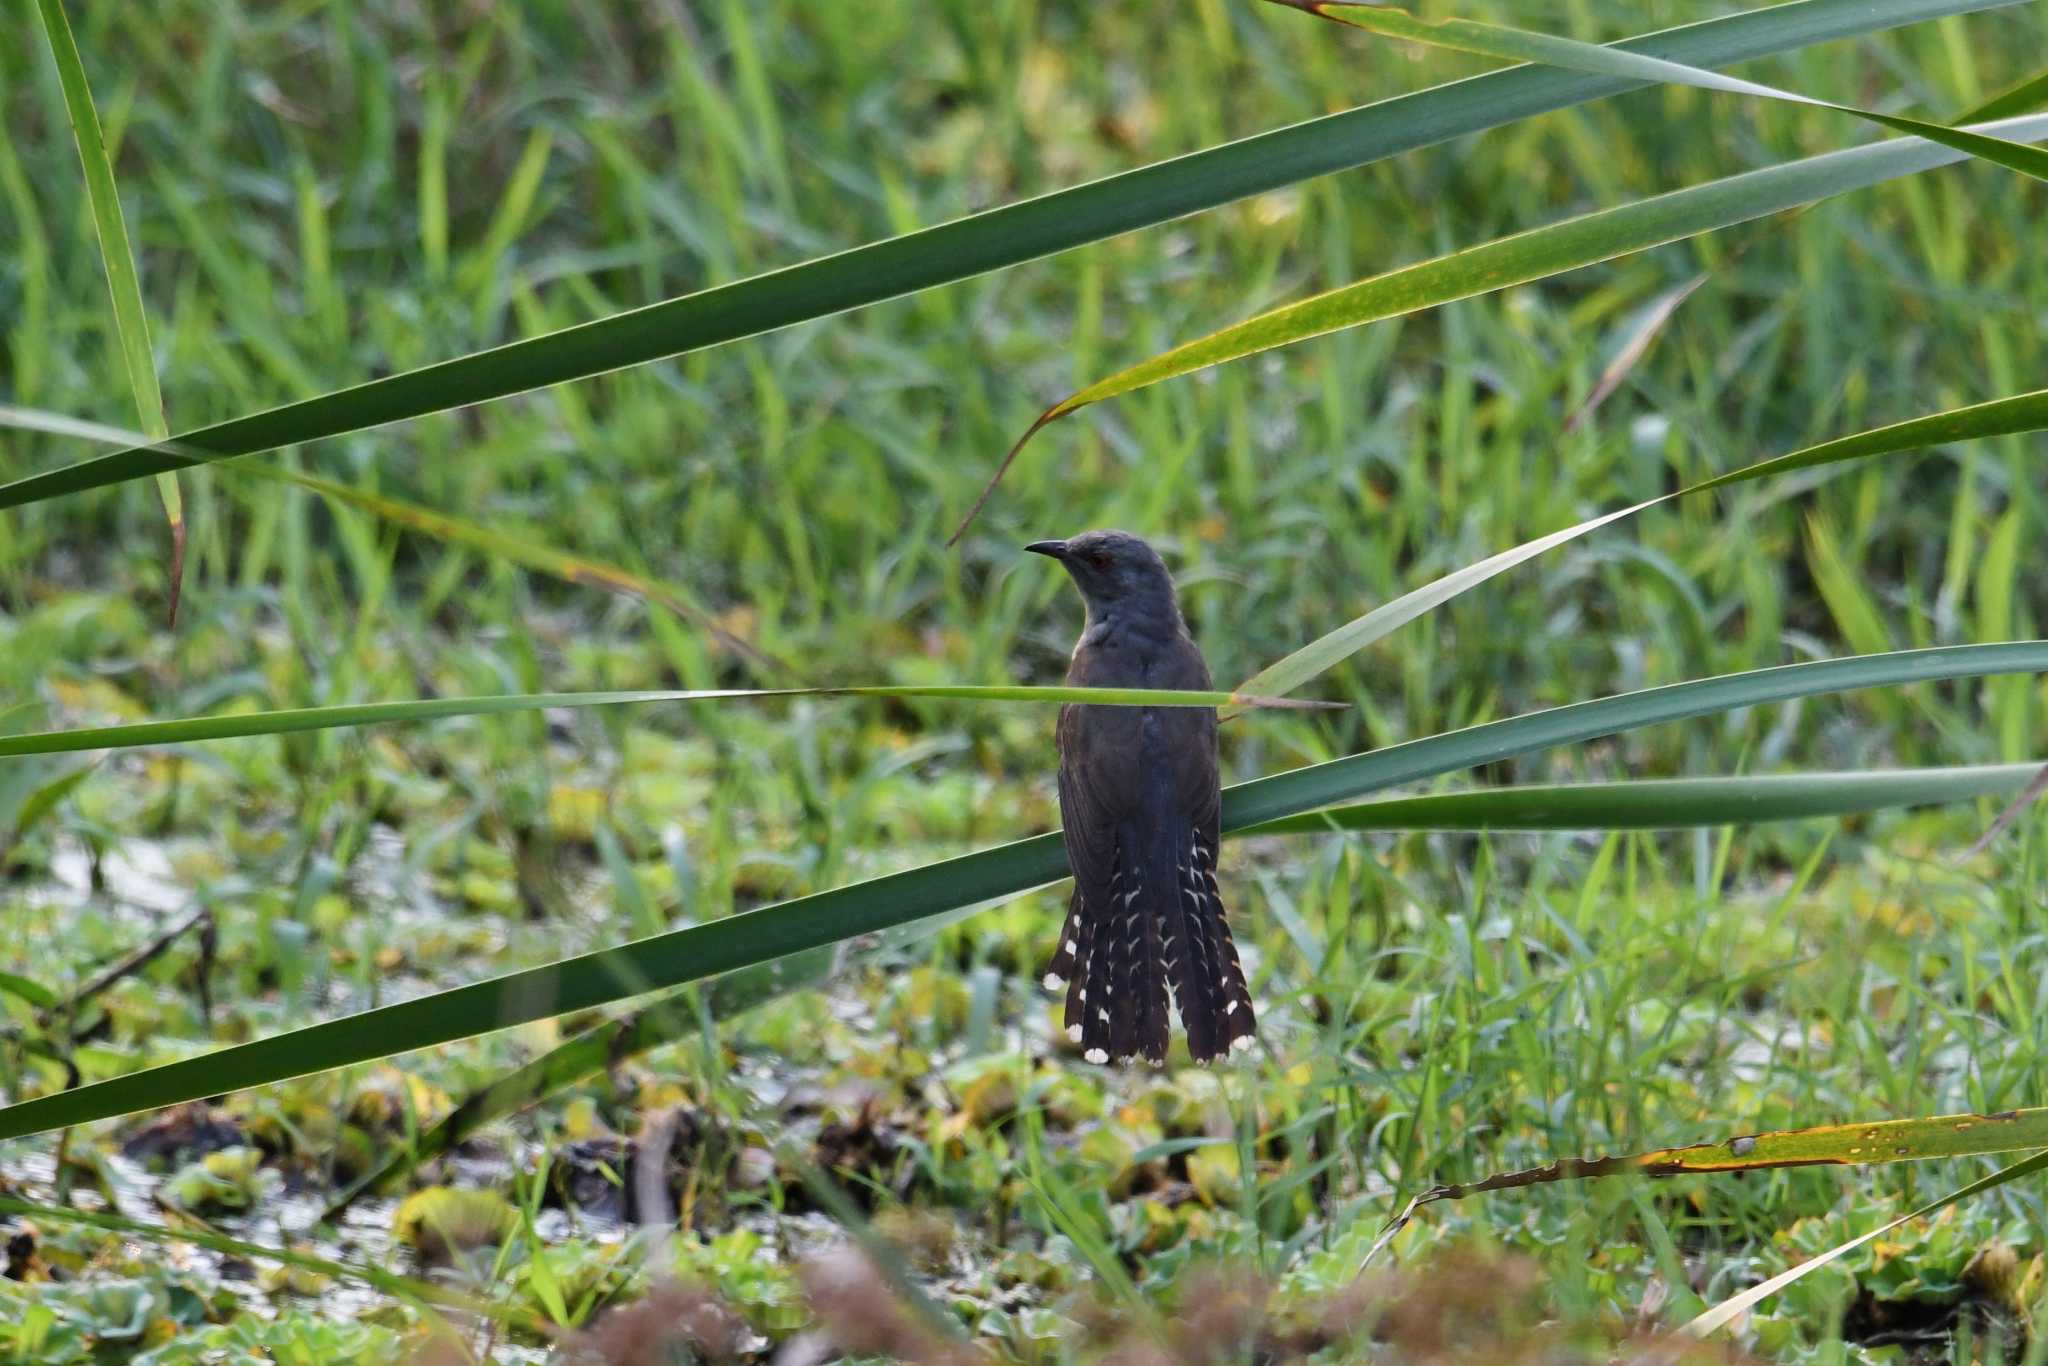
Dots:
{"x": 318, "y": 195}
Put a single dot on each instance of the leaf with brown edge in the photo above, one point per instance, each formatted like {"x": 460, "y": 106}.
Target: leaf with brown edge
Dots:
{"x": 1526, "y": 257}
{"x": 1869, "y": 1143}
{"x": 1633, "y": 349}
{"x": 1728, "y": 1310}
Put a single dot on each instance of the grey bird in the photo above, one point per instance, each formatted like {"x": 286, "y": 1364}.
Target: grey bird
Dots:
{"x": 1140, "y": 803}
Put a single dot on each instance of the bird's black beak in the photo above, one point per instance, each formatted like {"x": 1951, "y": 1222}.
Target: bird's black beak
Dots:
{"x": 1056, "y": 549}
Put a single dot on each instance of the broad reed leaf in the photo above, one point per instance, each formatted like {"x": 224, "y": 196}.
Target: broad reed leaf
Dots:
{"x": 701, "y": 951}
{"x": 992, "y": 240}
{"x": 1664, "y": 803}
{"x": 1521, "y": 259}
{"x": 131, "y": 324}
{"x": 1521, "y": 45}
{"x": 1999, "y": 417}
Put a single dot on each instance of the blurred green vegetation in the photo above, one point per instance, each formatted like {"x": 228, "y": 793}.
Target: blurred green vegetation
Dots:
{"x": 320, "y": 194}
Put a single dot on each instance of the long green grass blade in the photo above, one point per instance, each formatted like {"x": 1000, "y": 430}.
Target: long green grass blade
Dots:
{"x": 2026, "y": 412}
{"x": 1520, "y": 45}
{"x": 1000, "y": 237}
{"x": 124, "y": 287}
{"x": 1998, "y": 417}
{"x": 187, "y": 729}
{"x": 131, "y": 327}
{"x": 1529, "y": 256}
{"x": 1663, "y": 803}
{"x": 702, "y": 951}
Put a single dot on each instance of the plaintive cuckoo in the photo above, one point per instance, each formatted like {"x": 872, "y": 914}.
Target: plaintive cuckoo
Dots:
{"x": 1140, "y": 802}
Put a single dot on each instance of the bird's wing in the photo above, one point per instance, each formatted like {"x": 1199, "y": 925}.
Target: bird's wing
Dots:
{"x": 1088, "y": 825}
{"x": 1198, "y": 956}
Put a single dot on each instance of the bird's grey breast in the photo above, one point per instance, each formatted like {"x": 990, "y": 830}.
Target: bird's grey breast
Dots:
{"x": 1131, "y": 748}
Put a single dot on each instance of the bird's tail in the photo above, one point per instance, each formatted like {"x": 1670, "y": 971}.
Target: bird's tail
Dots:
{"x": 1160, "y": 939}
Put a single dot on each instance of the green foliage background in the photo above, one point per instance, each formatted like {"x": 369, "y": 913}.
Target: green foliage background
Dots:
{"x": 319, "y": 195}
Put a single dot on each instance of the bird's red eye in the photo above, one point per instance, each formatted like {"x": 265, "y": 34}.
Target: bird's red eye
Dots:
{"x": 1099, "y": 558}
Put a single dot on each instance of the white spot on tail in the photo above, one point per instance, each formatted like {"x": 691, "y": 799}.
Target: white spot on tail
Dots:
{"x": 1102, "y": 1015}
{"x": 1073, "y": 1033}
{"x": 1096, "y": 1055}
{"x": 1072, "y": 947}
{"x": 1230, "y": 1009}
{"x": 1240, "y": 1043}
{"x": 1053, "y": 981}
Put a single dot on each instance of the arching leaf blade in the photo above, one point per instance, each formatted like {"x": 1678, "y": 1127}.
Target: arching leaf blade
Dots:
{"x": 1540, "y": 253}
{"x": 1658, "y": 804}
{"x": 1868, "y": 1143}
{"x": 1996, "y": 417}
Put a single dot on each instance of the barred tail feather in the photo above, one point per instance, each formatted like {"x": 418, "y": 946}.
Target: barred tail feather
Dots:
{"x": 1070, "y": 955}
{"x": 1216, "y": 1008}
{"x": 1153, "y": 944}
{"x": 1096, "y": 989}
{"x": 1189, "y": 964}
{"x": 1086, "y": 959}
{"x": 1149, "y": 978}
{"x": 1138, "y": 1024}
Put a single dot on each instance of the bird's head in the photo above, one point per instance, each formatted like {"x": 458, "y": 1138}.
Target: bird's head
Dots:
{"x": 1118, "y": 574}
